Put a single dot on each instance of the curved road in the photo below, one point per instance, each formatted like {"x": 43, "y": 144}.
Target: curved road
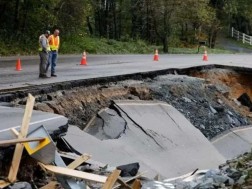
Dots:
{"x": 69, "y": 68}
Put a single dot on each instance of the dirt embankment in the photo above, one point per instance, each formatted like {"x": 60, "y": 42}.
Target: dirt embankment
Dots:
{"x": 208, "y": 103}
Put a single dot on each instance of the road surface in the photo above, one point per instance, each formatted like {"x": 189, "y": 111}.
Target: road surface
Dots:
{"x": 69, "y": 68}
{"x": 12, "y": 118}
{"x": 156, "y": 135}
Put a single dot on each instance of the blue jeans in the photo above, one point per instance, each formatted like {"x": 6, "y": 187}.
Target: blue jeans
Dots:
{"x": 52, "y": 61}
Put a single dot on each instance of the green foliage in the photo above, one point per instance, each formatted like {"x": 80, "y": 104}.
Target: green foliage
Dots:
{"x": 119, "y": 26}
{"x": 77, "y": 44}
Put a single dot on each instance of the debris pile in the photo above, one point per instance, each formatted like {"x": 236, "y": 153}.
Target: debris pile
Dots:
{"x": 32, "y": 160}
{"x": 234, "y": 173}
{"x": 204, "y": 104}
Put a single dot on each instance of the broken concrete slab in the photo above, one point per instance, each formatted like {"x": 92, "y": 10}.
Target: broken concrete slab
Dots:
{"x": 52, "y": 122}
{"x": 234, "y": 142}
{"x": 109, "y": 152}
{"x": 156, "y": 135}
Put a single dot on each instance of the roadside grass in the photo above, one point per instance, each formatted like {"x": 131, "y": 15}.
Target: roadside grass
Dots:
{"x": 195, "y": 51}
{"x": 240, "y": 43}
{"x": 77, "y": 44}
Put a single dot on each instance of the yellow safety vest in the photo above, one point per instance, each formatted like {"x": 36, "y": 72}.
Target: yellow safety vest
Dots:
{"x": 54, "y": 42}
{"x": 47, "y": 42}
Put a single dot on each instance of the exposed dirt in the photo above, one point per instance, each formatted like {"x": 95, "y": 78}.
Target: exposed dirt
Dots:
{"x": 83, "y": 103}
{"x": 236, "y": 83}
{"x": 210, "y": 104}
{"x": 207, "y": 98}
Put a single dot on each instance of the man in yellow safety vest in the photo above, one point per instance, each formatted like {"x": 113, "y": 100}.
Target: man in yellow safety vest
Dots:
{"x": 44, "y": 50}
{"x": 54, "y": 42}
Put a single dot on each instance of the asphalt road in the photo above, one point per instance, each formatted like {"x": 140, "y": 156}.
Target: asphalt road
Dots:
{"x": 69, "y": 68}
{"x": 12, "y": 118}
{"x": 154, "y": 134}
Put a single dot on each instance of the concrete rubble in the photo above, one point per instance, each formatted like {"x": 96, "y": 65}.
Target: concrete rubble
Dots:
{"x": 232, "y": 174}
{"x": 130, "y": 144}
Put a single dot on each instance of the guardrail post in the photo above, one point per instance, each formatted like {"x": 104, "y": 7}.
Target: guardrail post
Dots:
{"x": 243, "y": 37}
{"x": 232, "y": 32}
{"x": 250, "y": 37}
{"x": 238, "y": 35}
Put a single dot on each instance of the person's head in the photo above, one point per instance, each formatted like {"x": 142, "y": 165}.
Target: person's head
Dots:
{"x": 56, "y": 32}
{"x": 47, "y": 33}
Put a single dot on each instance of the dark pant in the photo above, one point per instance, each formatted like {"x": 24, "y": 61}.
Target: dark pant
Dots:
{"x": 52, "y": 61}
{"x": 43, "y": 62}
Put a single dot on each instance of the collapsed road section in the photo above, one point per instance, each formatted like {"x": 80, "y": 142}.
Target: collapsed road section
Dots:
{"x": 160, "y": 135}
{"x": 154, "y": 134}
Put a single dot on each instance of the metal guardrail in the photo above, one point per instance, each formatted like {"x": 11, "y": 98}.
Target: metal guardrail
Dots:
{"x": 241, "y": 36}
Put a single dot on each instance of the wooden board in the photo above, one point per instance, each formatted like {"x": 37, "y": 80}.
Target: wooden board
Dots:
{"x": 130, "y": 179}
{"x": 3, "y": 184}
{"x": 74, "y": 173}
{"x": 136, "y": 184}
{"x": 124, "y": 184}
{"x": 23, "y": 132}
{"x": 74, "y": 156}
{"x": 21, "y": 140}
{"x": 81, "y": 159}
{"x": 111, "y": 180}
{"x": 15, "y": 131}
{"x": 51, "y": 185}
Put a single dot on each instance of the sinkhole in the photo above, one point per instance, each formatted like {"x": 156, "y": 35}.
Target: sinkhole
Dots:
{"x": 213, "y": 99}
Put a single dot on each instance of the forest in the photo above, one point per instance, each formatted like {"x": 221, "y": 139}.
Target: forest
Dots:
{"x": 161, "y": 22}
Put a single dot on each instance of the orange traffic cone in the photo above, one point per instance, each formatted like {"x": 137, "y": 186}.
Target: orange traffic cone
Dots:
{"x": 205, "y": 58}
{"x": 18, "y": 65}
{"x": 156, "y": 58}
{"x": 84, "y": 59}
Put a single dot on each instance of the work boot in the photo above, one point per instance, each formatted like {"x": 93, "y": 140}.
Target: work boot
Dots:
{"x": 43, "y": 76}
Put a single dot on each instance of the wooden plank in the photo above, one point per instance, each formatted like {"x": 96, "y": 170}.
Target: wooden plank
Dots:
{"x": 124, "y": 184}
{"x": 51, "y": 185}
{"x": 4, "y": 184}
{"x": 111, "y": 180}
{"x": 81, "y": 159}
{"x": 21, "y": 140}
{"x": 23, "y": 132}
{"x": 130, "y": 179}
{"x": 74, "y": 173}
{"x": 15, "y": 131}
{"x": 27, "y": 116}
{"x": 74, "y": 156}
{"x": 136, "y": 184}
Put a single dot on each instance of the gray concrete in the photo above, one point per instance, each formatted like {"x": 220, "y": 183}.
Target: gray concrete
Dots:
{"x": 12, "y": 118}
{"x": 68, "y": 67}
{"x": 157, "y": 136}
{"x": 234, "y": 143}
